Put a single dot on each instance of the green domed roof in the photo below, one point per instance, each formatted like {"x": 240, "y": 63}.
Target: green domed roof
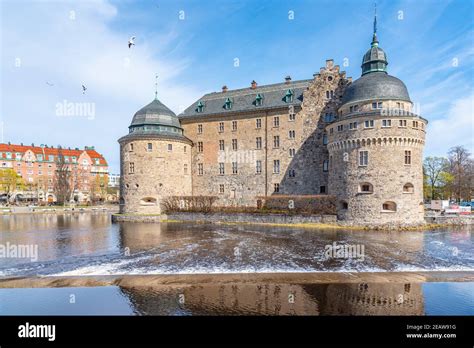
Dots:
{"x": 156, "y": 118}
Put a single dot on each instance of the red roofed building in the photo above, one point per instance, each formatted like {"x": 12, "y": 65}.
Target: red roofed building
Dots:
{"x": 37, "y": 167}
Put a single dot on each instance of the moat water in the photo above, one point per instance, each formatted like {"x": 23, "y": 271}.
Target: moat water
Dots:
{"x": 89, "y": 244}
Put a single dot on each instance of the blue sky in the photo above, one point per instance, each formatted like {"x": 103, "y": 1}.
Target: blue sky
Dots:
{"x": 50, "y": 48}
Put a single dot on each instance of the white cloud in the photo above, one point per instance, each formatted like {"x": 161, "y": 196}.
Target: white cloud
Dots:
{"x": 457, "y": 128}
{"x": 85, "y": 50}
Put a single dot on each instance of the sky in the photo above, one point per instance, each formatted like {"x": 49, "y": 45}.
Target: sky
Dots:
{"x": 49, "y": 49}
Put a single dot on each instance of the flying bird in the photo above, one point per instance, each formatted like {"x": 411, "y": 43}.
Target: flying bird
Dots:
{"x": 84, "y": 89}
{"x": 131, "y": 42}
{"x": 49, "y": 84}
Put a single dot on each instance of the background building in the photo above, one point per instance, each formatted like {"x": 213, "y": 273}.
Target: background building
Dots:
{"x": 37, "y": 166}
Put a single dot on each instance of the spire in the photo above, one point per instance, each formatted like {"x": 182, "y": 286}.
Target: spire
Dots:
{"x": 156, "y": 86}
{"x": 375, "y": 42}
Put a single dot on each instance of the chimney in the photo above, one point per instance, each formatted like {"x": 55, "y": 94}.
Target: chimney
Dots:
{"x": 21, "y": 144}
{"x": 253, "y": 85}
{"x": 224, "y": 89}
{"x": 33, "y": 144}
{"x": 288, "y": 79}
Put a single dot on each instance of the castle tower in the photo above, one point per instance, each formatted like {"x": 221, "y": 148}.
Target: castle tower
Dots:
{"x": 376, "y": 149}
{"x": 155, "y": 160}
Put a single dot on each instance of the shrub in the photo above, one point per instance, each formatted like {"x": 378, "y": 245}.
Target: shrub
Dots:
{"x": 201, "y": 204}
{"x": 314, "y": 204}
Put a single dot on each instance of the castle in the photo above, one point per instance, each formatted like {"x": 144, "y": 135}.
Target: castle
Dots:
{"x": 357, "y": 140}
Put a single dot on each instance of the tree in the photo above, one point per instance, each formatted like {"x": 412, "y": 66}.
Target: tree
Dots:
{"x": 10, "y": 181}
{"x": 98, "y": 191}
{"x": 433, "y": 168}
{"x": 62, "y": 179}
{"x": 461, "y": 168}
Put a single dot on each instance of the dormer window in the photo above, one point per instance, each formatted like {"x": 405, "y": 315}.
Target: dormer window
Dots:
{"x": 258, "y": 100}
{"x": 228, "y": 104}
{"x": 200, "y": 107}
{"x": 288, "y": 96}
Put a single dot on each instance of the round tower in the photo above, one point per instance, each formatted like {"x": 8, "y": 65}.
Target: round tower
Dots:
{"x": 155, "y": 160}
{"x": 376, "y": 149}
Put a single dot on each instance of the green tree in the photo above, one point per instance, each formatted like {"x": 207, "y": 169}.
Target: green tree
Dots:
{"x": 433, "y": 168}
{"x": 10, "y": 181}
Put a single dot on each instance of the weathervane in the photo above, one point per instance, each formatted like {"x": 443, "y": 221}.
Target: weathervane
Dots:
{"x": 156, "y": 86}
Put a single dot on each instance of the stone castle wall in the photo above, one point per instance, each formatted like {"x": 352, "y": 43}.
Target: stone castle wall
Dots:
{"x": 157, "y": 173}
{"x": 391, "y": 181}
{"x": 307, "y": 164}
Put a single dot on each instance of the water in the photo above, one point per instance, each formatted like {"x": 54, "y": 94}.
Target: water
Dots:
{"x": 245, "y": 299}
{"x": 89, "y": 244}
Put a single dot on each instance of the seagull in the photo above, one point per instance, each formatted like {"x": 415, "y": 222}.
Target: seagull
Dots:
{"x": 131, "y": 42}
{"x": 49, "y": 84}
{"x": 84, "y": 89}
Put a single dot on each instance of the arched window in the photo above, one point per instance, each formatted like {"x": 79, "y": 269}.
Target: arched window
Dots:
{"x": 148, "y": 201}
{"x": 408, "y": 188}
{"x": 344, "y": 205}
{"x": 389, "y": 207}
{"x": 366, "y": 187}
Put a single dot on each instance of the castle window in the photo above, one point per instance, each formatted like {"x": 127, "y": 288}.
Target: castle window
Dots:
{"x": 356, "y": 107}
{"x": 200, "y": 169}
{"x": 408, "y": 188}
{"x": 288, "y": 98}
{"x": 221, "y": 145}
{"x": 131, "y": 149}
{"x": 200, "y": 107}
{"x": 386, "y": 123}
{"x": 351, "y": 109}
{"x": 258, "y": 167}
{"x": 234, "y": 168}
{"x": 329, "y": 78}
{"x": 258, "y": 123}
{"x": 221, "y": 127}
{"x": 234, "y": 125}
{"x": 258, "y": 141}
{"x": 344, "y": 205}
{"x": 221, "y": 188}
{"x": 199, "y": 128}
{"x": 402, "y": 123}
{"x": 258, "y": 100}
{"x": 291, "y": 116}
{"x": 184, "y": 148}
{"x": 200, "y": 146}
{"x": 389, "y": 207}
{"x": 331, "y": 131}
{"x": 415, "y": 124}
{"x": 148, "y": 201}
{"x": 328, "y": 117}
{"x": 353, "y": 125}
{"x": 276, "y": 188}
{"x": 221, "y": 168}
{"x": 374, "y": 105}
{"x": 325, "y": 139}
{"x": 325, "y": 165}
{"x": 170, "y": 147}
{"x": 369, "y": 124}
{"x": 185, "y": 169}
{"x": 327, "y": 94}
{"x": 322, "y": 189}
{"x": 276, "y": 167}
{"x": 228, "y": 104}
{"x": 407, "y": 157}
{"x": 292, "y": 152}
{"x": 363, "y": 158}
{"x": 131, "y": 168}
{"x": 276, "y": 121}
{"x": 332, "y": 94}
{"x": 291, "y": 134}
{"x": 340, "y": 128}
{"x": 291, "y": 173}
{"x": 234, "y": 144}
{"x": 149, "y": 147}
{"x": 379, "y": 105}
{"x": 366, "y": 187}
{"x": 276, "y": 141}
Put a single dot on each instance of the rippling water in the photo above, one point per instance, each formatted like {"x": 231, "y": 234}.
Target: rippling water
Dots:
{"x": 89, "y": 244}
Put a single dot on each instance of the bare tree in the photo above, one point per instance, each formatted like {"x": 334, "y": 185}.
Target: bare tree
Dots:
{"x": 62, "y": 179}
{"x": 461, "y": 167}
